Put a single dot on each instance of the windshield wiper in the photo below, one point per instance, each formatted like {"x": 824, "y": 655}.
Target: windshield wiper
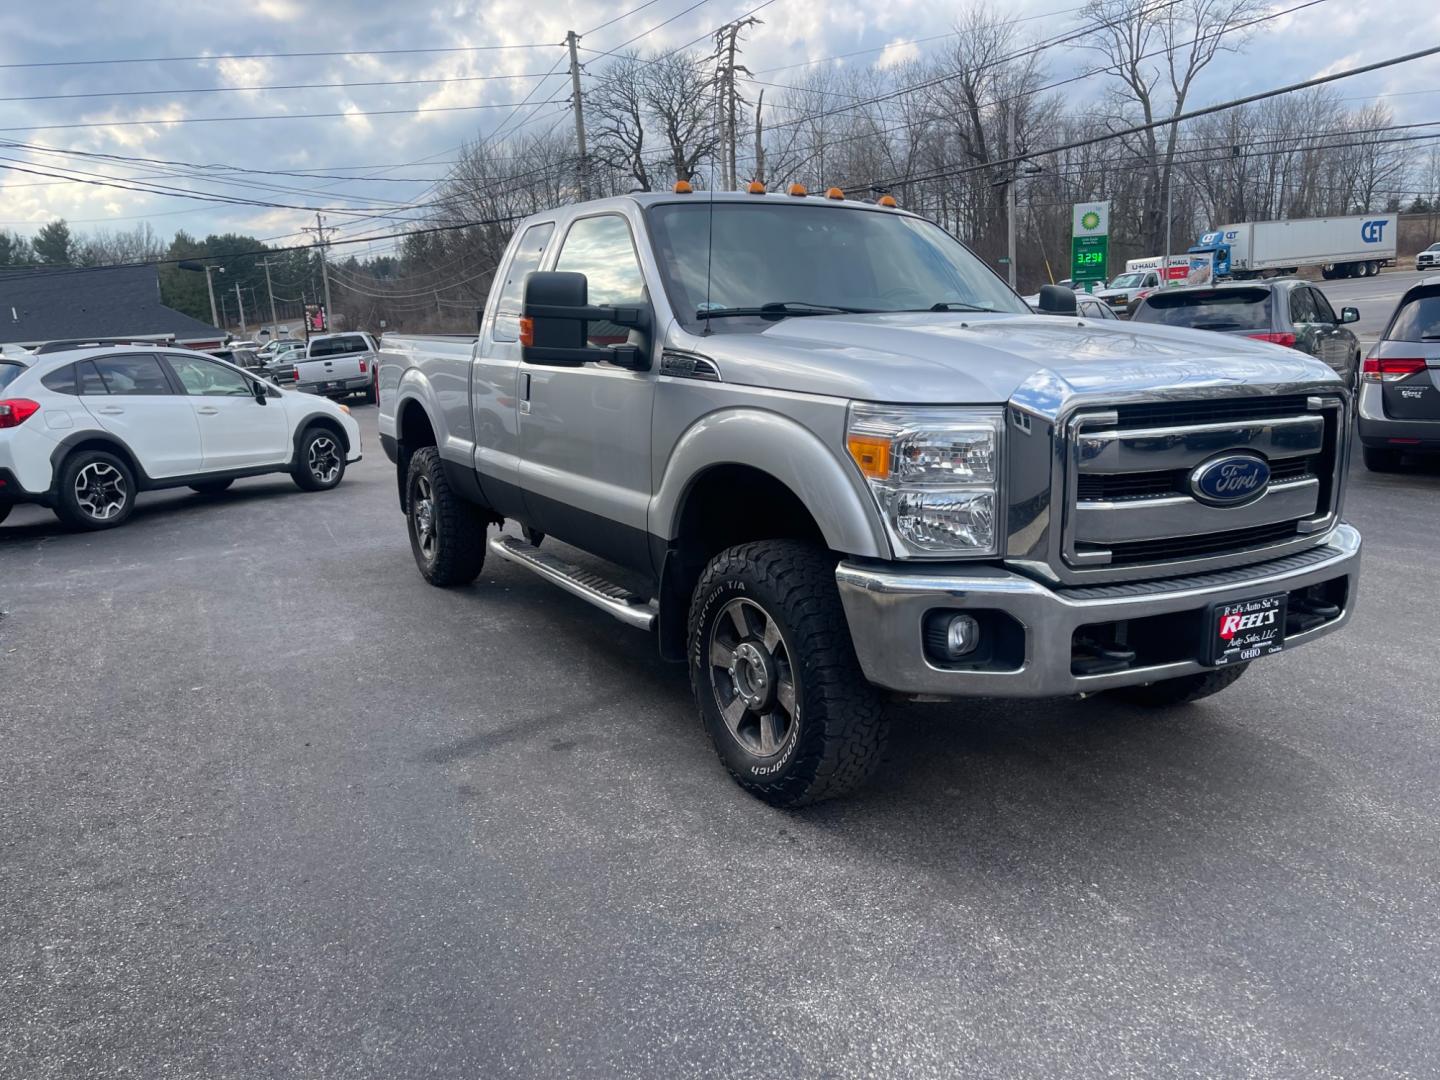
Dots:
{"x": 956, "y": 305}
{"x": 779, "y": 309}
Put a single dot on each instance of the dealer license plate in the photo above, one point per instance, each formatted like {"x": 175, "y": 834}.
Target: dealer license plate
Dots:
{"x": 1246, "y": 630}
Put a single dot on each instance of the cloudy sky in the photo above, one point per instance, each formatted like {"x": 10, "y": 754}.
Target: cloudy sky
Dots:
{"x": 379, "y": 151}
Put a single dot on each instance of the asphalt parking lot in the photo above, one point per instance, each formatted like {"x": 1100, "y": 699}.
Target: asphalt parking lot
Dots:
{"x": 272, "y": 806}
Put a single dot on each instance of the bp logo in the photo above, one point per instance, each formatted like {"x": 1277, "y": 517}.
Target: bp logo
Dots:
{"x": 1090, "y": 221}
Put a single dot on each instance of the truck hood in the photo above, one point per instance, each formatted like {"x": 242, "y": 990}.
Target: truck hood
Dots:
{"x": 939, "y": 358}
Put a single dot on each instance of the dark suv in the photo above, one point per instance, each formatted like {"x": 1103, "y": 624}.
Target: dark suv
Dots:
{"x": 1287, "y": 311}
{"x": 1399, "y": 409}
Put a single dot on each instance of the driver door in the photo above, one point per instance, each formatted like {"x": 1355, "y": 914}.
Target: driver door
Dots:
{"x": 236, "y": 430}
{"x": 585, "y": 431}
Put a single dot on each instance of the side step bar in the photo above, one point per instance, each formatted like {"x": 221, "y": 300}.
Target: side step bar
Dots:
{"x": 624, "y": 605}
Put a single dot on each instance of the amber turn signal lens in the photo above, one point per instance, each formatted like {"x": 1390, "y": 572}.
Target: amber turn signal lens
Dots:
{"x": 872, "y": 454}
{"x": 527, "y": 332}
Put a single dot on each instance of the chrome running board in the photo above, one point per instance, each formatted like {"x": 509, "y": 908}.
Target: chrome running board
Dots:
{"x": 613, "y": 599}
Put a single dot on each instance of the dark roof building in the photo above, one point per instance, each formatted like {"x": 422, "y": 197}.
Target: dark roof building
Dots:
{"x": 39, "y": 305}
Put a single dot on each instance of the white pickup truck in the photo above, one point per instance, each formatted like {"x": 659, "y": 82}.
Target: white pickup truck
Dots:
{"x": 337, "y": 365}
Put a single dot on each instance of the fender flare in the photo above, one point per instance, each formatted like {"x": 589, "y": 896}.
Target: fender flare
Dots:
{"x": 772, "y": 443}
{"x": 107, "y": 439}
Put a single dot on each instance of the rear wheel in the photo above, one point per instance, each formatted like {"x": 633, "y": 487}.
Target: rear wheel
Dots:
{"x": 319, "y": 461}
{"x": 775, "y": 675}
{"x": 1181, "y": 691}
{"x": 447, "y": 534}
{"x": 97, "y": 490}
{"x": 211, "y": 487}
{"x": 1379, "y": 459}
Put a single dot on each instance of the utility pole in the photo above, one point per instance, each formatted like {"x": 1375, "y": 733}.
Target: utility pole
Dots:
{"x": 210, "y": 286}
{"x": 1010, "y": 195}
{"x": 274, "y": 322}
{"x": 759, "y": 139}
{"x": 240, "y": 303}
{"x": 319, "y": 231}
{"x": 582, "y": 177}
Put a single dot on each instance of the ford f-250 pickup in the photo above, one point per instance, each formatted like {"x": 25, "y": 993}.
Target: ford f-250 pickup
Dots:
{"x": 849, "y": 462}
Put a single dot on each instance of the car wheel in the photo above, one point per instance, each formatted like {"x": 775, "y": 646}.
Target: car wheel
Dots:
{"x": 1328, "y": 272}
{"x": 212, "y": 487}
{"x": 97, "y": 490}
{"x": 1379, "y": 459}
{"x": 775, "y": 676}
{"x": 447, "y": 533}
{"x": 1181, "y": 691}
{"x": 319, "y": 461}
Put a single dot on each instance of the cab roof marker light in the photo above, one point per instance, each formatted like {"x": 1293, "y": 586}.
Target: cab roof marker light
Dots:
{"x": 756, "y": 188}
{"x": 834, "y": 193}
{"x": 887, "y": 200}
{"x": 682, "y": 187}
{"x": 798, "y": 190}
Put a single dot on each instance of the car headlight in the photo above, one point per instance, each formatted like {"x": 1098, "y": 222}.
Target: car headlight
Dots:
{"x": 934, "y": 473}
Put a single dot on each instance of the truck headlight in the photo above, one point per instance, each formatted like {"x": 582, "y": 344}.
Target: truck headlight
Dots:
{"x": 935, "y": 474}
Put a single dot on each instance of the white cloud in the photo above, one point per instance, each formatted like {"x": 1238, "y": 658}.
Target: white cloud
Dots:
{"x": 896, "y": 53}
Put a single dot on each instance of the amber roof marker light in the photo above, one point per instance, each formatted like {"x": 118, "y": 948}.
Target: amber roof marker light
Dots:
{"x": 756, "y": 188}
{"x": 798, "y": 190}
{"x": 834, "y": 193}
{"x": 886, "y": 200}
{"x": 682, "y": 187}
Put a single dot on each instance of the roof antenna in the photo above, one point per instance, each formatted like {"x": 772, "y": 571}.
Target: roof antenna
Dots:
{"x": 709, "y": 247}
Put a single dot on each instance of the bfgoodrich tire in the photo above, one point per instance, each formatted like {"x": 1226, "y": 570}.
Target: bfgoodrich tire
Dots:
{"x": 775, "y": 676}
{"x": 96, "y": 490}
{"x": 319, "y": 460}
{"x": 1181, "y": 691}
{"x": 447, "y": 534}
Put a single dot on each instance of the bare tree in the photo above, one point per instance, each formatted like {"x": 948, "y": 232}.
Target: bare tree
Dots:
{"x": 677, "y": 94}
{"x": 616, "y": 117}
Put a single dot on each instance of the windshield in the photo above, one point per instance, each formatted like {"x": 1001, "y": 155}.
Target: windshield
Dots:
{"x": 9, "y": 371}
{"x": 1419, "y": 320}
{"x": 814, "y": 260}
{"x": 1127, "y": 281}
{"x": 1228, "y": 309}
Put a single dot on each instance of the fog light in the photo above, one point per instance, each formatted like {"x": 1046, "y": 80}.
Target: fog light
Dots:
{"x": 962, "y": 634}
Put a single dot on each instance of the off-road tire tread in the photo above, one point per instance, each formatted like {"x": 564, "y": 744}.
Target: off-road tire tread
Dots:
{"x": 1182, "y": 691}
{"x": 844, "y": 726}
{"x": 462, "y": 524}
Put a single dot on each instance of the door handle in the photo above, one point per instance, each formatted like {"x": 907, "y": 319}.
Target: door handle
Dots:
{"x": 208, "y": 410}
{"x": 112, "y": 410}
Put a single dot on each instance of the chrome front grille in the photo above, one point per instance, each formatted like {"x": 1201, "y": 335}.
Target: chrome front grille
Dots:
{"x": 1127, "y": 500}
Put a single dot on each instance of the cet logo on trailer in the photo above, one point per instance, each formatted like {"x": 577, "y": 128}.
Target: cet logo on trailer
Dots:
{"x": 1230, "y": 480}
{"x": 1372, "y": 232}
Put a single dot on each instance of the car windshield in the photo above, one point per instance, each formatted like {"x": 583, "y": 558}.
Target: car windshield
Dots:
{"x": 1127, "y": 281}
{"x": 1419, "y": 320}
{"x": 9, "y": 371}
{"x": 793, "y": 259}
{"x": 1225, "y": 309}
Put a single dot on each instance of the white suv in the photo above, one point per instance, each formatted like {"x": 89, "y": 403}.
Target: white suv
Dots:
{"x": 83, "y": 429}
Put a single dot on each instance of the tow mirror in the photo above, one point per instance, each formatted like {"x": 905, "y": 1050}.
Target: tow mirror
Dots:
{"x": 555, "y": 325}
{"x": 1055, "y": 300}
{"x": 1349, "y": 315}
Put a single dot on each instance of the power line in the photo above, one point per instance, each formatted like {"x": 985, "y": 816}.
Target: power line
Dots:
{"x": 272, "y": 56}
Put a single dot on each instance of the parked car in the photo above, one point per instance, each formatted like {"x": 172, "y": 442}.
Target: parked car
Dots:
{"x": 1122, "y": 293}
{"x": 280, "y": 364}
{"x": 1286, "y": 311}
{"x": 845, "y": 459}
{"x": 1428, "y": 259}
{"x": 1399, "y": 409}
{"x": 85, "y": 430}
{"x": 240, "y": 356}
{"x": 338, "y": 365}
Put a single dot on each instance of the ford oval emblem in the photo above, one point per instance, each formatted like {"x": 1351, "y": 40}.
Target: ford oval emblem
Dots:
{"x": 1230, "y": 480}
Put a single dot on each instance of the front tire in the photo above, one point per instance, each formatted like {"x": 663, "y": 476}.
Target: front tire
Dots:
{"x": 97, "y": 490}
{"x": 447, "y": 534}
{"x": 211, "y": 487}
{"x": 775, "y": 676}
{"x": 1379, "y": 459}
{"x": 319, "y": 460}
{"x": 1181, "y": 691}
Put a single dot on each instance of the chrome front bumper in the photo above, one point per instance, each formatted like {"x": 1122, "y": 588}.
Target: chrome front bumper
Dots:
{"x": 886, "y": 605}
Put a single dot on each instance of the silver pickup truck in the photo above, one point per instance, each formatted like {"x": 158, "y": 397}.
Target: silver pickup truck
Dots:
{"x": 833, "y": 458}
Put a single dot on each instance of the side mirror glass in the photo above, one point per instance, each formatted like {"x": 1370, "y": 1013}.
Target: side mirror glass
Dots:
{"x": 1055, "y": 300}
{"x": 1349, "y": 315}
{"x": 554, "y": 327}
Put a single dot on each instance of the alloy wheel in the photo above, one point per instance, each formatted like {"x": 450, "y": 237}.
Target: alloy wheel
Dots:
{"x": 324, "y": 459}
{"x": 424, "y": 515}
{"x": 100, "y": 490}
{"x": 752, "y": 676}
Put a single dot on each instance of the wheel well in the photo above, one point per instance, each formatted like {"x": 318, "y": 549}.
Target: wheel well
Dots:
{"x": 321, "y": 420}
{"x": 726, "y": 505}
{"x": 98, "y": 442}
{"x": 413, "y": 431}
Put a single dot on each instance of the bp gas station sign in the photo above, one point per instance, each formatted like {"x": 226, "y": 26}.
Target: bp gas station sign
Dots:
{"x": 1090, "y": 242}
